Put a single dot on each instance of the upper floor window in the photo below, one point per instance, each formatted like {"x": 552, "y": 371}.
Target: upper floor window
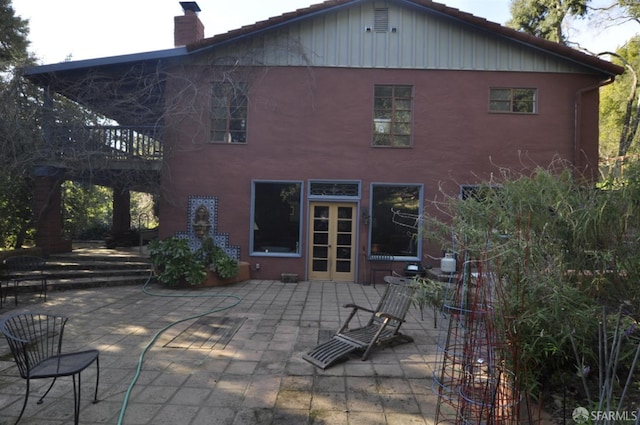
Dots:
{"x": 228, "y": 112}
{"x": 392, "y": 115}
{"x": 513, "y": 100}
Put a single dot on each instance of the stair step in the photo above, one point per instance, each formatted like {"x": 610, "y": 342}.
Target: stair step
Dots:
{"x": 110, "y": 272}
{"x": 77, "y": 283}
{"x": 92, "y": 266}
{"x": 96, "y": 282}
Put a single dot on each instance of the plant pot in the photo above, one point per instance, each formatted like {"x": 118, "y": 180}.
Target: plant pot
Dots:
{"x": 212, "y": 279}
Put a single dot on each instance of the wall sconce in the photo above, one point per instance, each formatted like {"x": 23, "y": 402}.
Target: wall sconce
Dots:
{"x": 365, "y": 216}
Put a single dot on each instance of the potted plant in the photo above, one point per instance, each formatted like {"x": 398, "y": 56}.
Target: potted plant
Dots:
{"x": 175, "y": 263}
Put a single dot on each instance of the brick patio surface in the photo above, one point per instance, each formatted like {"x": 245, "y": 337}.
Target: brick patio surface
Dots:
{"x": 239, "y": 366}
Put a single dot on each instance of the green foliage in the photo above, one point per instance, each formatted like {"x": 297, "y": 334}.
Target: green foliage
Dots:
{"x": 19, "y": 132}
{"x": 618, "y": 105}
{"x": 428, "y": 293}
{"x": 544, "y": 18}
{"x": 562, "y": 249}
{"x": 225, "y": 266}
{"x": 218, "y": 260}
{"x": 15, "y": 211}
{"x": 175, "y": 261}
{"x": 632, "y": 8}
{"x": 14, "y": 33}
{"x": 86, "y": 206}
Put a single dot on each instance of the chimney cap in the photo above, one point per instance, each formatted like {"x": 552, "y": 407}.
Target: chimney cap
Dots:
{"x": 190, "y": 5}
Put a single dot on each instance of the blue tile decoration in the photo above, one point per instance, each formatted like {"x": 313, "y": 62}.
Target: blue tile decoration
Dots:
{"x": 220, "y": 239}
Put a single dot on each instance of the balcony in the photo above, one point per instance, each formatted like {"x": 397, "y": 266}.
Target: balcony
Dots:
{"x": 111, "y": 147}
{"x": 107, "y": 155}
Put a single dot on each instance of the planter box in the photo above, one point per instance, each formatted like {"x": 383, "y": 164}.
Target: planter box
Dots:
{"x": 213, "y": 279}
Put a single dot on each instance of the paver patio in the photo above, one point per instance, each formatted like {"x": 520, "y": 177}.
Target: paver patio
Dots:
{"x": 244, "y": 371}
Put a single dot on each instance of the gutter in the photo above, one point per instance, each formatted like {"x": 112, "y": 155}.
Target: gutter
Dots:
{"x": 578, "y": 110}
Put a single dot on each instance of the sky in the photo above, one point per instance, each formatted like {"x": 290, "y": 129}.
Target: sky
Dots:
{"x": 85, "y": 29}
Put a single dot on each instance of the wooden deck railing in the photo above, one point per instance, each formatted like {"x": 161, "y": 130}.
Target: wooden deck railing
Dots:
{"x": 108, "y": 142}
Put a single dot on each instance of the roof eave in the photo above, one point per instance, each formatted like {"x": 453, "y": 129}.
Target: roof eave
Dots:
{"x": 106, "y": 61}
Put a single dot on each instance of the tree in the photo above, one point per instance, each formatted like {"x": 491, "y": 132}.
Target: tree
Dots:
{"x": 16, "y": 130}
{"x": 616, "y": 12}
{"x": 14, "y": 33}
{"x": 545, "y": 18}
{"x": 619, "y": 112}
{"x": 619, "y": 105}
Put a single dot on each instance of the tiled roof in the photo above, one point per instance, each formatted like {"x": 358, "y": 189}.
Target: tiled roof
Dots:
{"x": 450, "y": 12}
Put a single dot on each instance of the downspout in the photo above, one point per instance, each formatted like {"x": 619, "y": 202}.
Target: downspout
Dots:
{"x": 578, "y": 109}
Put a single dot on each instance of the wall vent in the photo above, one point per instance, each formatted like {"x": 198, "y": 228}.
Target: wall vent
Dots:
{"x": 381, "y": 19}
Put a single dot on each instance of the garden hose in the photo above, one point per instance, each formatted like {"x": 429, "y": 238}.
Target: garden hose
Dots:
{"x": 146, "y": 291}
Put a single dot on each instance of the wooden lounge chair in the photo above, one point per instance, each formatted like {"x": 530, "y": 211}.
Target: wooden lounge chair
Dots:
{"x": 382, "y": 328}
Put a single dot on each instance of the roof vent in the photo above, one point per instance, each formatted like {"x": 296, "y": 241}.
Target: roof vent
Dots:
{"x": 381, "y": 20}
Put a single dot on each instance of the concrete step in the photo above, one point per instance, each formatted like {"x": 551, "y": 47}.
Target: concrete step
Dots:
{"x": 60, "y": 284}
{"x": 91, "y": 266}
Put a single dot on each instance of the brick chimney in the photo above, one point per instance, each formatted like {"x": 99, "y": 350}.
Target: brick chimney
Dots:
{"x": 188, "y": 28}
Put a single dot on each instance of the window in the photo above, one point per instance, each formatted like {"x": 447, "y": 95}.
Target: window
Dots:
{"x": 336, "y": 189}
{"x": 394, "y": 217}
{"x": 276, "y": 218}
{"x": 392, "y": 116}
{"x": 478, "y": 193}
{"x": 513, "y": 100}
{"x": 229, "y": 112}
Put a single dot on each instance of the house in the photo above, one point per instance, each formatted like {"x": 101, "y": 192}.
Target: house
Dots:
{"x": 310, "y": 141}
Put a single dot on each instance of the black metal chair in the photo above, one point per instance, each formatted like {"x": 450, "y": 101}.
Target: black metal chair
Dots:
{"x": 380, "y": 263}
{"x": 35, "y": 340}
{"x": 24, "y": 268}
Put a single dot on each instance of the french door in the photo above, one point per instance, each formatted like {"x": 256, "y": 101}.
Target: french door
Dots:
{"x": 332, "y": 241}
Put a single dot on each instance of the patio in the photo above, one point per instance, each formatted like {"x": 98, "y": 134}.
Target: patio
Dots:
{"x": 238, "y": 366}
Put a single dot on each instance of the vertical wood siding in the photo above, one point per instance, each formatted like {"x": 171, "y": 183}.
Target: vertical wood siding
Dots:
{"x": 421, "y": 40}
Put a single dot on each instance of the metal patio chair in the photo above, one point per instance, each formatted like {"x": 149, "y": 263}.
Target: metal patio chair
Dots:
{"x": 35, "y": 341}
{"x": 25, "y": 268}
{"x": 382, "y": 327}
{"x": 379, "y": 263}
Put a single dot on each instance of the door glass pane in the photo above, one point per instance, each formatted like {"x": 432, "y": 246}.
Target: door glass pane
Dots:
{"x": 343, "y": 252}
{"x": 343, "y": 266}
{"x": 344, "y": 226}
{"x": 345, "y": 212}
{"x": 344, "y": 239}
{"x": 321, "y": 238}
{"x": 320, "y": 265}
{"x": 320, "y": 252}
{"x": 321, "y": 212}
